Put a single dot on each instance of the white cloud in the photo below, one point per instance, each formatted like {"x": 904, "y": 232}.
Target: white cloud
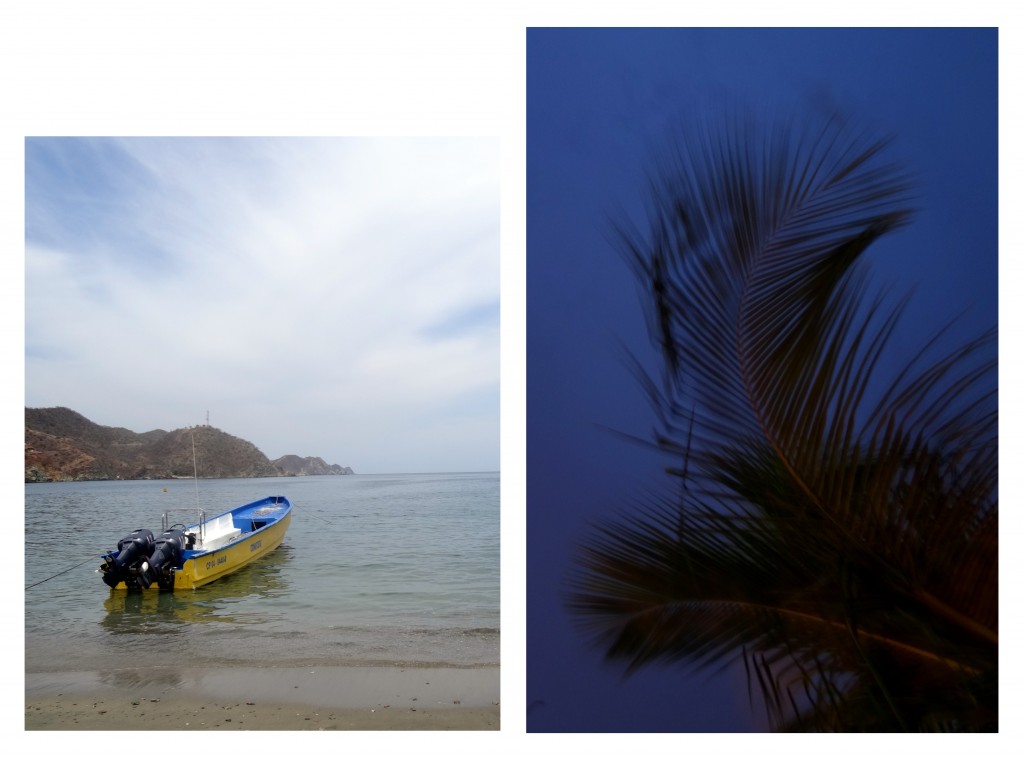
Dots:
{"x": 274, "y": 280}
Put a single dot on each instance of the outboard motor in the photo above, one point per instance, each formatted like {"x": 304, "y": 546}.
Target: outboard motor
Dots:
{"x": 136, "y": 547}
{"x": 165, "y": 557}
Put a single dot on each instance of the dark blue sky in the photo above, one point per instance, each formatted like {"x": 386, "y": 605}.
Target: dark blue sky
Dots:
{"x": 600, "y": 102}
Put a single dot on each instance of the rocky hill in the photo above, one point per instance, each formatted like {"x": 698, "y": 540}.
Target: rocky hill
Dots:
{"x": 293, "y": 465}
{"x": 62, "y": 445}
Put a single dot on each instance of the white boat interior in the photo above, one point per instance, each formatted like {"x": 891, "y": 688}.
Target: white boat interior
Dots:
{"x": 217, "y": 532}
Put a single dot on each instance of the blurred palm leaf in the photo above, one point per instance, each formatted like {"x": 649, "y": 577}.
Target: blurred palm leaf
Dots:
{"x": 837, "y": 525}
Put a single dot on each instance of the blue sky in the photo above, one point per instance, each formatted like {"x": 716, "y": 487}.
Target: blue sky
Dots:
{"x": 601, "y": 107}
{"x": 328, "y": 297}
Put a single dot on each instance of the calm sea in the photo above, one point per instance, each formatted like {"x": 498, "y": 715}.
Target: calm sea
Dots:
{"x": 374, "y": 569}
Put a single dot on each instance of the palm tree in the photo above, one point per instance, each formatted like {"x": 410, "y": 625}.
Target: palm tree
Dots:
{"x": 834, "y": 520}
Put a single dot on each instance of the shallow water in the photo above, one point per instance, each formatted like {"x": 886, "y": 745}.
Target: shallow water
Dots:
{"x": 374, "y": 569}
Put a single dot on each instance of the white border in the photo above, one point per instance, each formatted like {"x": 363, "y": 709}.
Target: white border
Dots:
{"x": 412, "y": 68}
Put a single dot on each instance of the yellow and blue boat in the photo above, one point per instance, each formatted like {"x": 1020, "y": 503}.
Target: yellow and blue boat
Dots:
{"x": 187, "y": 557}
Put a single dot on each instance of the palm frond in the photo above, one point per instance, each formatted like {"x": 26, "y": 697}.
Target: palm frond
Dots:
{"x": 837, "y": 526}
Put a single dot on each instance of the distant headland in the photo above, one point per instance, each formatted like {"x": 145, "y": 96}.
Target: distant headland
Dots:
{"x": 62, "y": 445}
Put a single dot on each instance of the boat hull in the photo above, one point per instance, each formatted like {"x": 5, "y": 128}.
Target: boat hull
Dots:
{"x": 209, "y": 566}
{"x": 262, "y": 526}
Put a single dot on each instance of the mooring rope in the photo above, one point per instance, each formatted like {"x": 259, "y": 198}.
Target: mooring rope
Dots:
{"x": 61, "y": 573}
{"x": 322, "y": 520}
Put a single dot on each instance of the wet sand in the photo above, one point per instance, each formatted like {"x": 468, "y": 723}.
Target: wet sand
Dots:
{"x": 239, "y": 698}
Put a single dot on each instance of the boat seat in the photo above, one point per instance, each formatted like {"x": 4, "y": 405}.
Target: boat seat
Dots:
{"x": 220, "y": 531}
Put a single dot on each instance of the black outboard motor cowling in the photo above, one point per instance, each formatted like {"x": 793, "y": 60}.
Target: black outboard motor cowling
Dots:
{"x": 136, "y": 547}
{"x": 165, "y": 557}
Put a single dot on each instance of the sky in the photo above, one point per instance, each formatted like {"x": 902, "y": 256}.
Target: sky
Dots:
{"x": 601, "y": 106}
{"x": 336, "y": 298}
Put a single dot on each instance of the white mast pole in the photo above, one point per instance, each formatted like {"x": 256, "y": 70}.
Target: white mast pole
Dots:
{"x": 195, "y": 468}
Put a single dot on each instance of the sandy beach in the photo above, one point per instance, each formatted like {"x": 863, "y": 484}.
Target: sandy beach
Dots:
{"x": 250, "y": 698}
